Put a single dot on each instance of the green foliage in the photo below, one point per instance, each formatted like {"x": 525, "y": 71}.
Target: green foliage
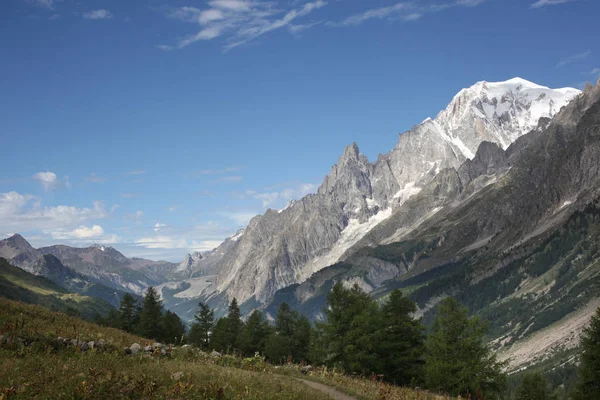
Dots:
{"x": 534, "y": 387}
{"x": 200, "y": 330}
{"x": 151, "y": 316}
{"x": 128, "y": 316}
{"x": 172, "y": 329}
{"x": 219, "y": 337}
{"x": 366, "y": 337}
{"x": 254, "y": 335}
{"x": 457, "y": 359}
{"x": 588, "y": 386}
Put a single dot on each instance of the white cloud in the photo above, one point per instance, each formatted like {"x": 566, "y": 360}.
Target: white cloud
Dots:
{"x": 239, "y": 21}
{"x": 24, "y": 213}
{"x": 574, "y": 58}
{"x": 205, "y": 245}
{"x": 47, "y": 179}
{"x": 241, "y": 218}
{"x": 172, "y": 209}
{"x": 158, "y": 226}
{"x": 403, "y": 11}
{"x": 283, "y": 196}
{"x": 84, "y": 234}
{"x": 543, "y": 3}
{"x": 67, "y": 182}
{"x": 98, "y": 14}
{"x": 162, "y": 242}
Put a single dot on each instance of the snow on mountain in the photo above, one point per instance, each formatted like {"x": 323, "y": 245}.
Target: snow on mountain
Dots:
{"x": 279, "y": 249}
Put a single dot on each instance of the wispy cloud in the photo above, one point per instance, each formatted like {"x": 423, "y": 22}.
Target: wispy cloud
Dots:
{"x": 231, "y": 179}
{"x": 216, "y": 171}
{"x": 283, "y": 196}
{"x": 595, "y": 72}
{"x": 237, "y": 21}
{"x": 403, "y": 11}
{"x": 98, "y": 14}
{"x": 47, "y": 4}
{"x": 47, "y": 179}
{"x": 574, "y": 58}
{"x": 93, "y": 178}
{"x": 543, "y": 3}
{"x": 84, "y": 234}
{"x": 241, "y": 218}
{"x": 136, "y": 172}
{"x": 127, "y": 195}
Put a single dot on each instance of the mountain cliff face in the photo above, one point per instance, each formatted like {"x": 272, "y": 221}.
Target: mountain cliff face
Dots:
{"x": 513, "y": 234}
{"x": 282, "y": 248}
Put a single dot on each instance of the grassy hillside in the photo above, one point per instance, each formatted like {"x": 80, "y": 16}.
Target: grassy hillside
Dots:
{"x": 17, "y": 284}
{"x": 33, "y": 364}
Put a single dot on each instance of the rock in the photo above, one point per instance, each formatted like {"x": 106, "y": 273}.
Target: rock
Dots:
{"x": 177, "y": 376}
{"x": 135, "y": 348}
{"x": 127, "y": 351}
{"x": 84, "y": 346}
{"x": 158, "y": 345}
{"x": 186, "y": 346}
{"x": 148, "y": 349}
{"x": 74, "y": 342}
{"x": 91, "y": 344}
{"x": 163, "y": 352}
{"x": 306, "y": 369}
{"x": 215, "y": 354}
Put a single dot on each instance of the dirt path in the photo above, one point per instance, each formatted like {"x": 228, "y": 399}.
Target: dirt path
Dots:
{"x": 331, "y": 392}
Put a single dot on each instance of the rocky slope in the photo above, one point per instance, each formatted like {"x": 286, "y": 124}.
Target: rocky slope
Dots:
{"x": 511, "y": 234}
{"x": 98, "y": 265}
{"x": 283, "y": 248}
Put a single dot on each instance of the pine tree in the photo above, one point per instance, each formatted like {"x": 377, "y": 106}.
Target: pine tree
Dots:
{"x": 401, "y": 341}
{"x": 534, "y": 387}
{"x": 172, "y": 328}
{"x": 588, "y": 384}
{"x": 234, "y": 325}
{"x": 458, "y": 362}
{"x": 127, "y": 313}
{"x": 254, "y": 335}
{"x": 150, "y": 325}
{"x": 202, "y": 327}
{"x": 219, "y": 337}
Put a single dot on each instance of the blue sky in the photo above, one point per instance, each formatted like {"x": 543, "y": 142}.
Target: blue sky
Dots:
{"x": 162, "y": 127}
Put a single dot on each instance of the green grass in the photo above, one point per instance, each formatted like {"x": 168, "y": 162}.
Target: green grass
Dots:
{"x": 17, "y": 284}
{"x": 34, "y": 366}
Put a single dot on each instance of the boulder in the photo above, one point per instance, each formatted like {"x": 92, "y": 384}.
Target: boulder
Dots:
{"x": 135, "y": 348}
{"x": 215, "y": 354}
{"x": 148, "y": 349}
{"x": 84, "y": 346}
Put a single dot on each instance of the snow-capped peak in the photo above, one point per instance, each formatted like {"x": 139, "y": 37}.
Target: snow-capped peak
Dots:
{"x": 237, "y": 235}
{"x": 500, "y": 111}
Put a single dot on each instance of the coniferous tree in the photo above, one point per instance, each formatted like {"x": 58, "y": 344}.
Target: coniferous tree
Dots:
{"x": 150, "y": 325}
{"x": 128, "y": 313}
{"x": 254, "y": 335}
{"x": 172, "y": 328}
{"x": 534, "y": 387}
{"x": 202, "y": 327}
{"x": 588, "y": 384}
{"x": 234, "y": 325}
{"x": 457, "y": 359}
{"x": 219, "y": 337}
{"x": 401, "y": 341}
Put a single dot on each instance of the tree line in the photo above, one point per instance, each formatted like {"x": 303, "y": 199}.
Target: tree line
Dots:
{"x": 146, "y": 318}
{"x": 360, "y": 335}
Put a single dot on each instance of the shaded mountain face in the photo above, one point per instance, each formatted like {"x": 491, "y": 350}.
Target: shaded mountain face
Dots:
{"x": 286, "y": 247}
{"x": 99, "y": 264}
{"x": 511, "y": 234}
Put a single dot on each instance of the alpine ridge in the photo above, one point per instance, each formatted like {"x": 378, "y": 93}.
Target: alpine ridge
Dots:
{"x": 286, "y": 247}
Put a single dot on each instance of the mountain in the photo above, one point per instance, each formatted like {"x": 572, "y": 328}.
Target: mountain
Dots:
{"x": 97, "y": 264}
{"x": 17, "y": 284}
{"x": 512, "y": 234}
{"x": 286, "y": 247}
